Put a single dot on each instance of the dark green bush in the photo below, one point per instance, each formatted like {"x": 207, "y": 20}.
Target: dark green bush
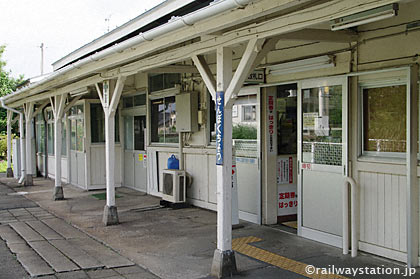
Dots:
{"x": 244, "y": 132}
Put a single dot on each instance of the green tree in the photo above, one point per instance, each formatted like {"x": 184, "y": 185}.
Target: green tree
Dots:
{"x": 8, "y": 84}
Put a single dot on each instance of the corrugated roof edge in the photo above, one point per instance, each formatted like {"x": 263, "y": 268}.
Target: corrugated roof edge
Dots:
{"x": 217, "y": 7}
{"x": 166, "y": 7}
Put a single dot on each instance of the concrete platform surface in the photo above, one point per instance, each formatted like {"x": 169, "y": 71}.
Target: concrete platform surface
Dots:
{"x": 171, "y": 244}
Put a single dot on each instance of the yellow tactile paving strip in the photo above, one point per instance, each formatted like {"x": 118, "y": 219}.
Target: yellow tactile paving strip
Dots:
{"x": 242, "y": 246}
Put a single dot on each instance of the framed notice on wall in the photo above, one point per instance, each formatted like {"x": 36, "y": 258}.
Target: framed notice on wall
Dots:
{"x": 285, "y": 170}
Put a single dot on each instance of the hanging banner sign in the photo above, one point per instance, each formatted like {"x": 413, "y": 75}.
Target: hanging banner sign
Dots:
{"x": 271, "y": 125}
{"x": 106, "y": 93}
{"x": 220, "y": 104}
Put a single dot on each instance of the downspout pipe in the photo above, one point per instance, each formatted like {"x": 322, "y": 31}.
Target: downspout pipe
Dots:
{"x": 22, "y": 141}
{"x": 175, "y": 23}
{"x": 354, "y": 217}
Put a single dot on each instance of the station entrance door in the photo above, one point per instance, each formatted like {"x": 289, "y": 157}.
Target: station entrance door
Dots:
{"x": 322, "y": 158}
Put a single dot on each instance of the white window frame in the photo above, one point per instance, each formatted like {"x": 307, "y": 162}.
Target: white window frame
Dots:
{"x": 166, "y": 93}
{"x": 39, "y": 122}
{"x": 50, "y": 121}
{"x": 77, "y": 117}
{"x": 243, "y": 113}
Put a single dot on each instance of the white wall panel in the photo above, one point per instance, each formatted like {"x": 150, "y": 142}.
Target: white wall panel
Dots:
{"x": 197, "y": 166}
{"x": 97, "y": 165}
{"x": 51, "y": 165}
{"x": 211, "y": 161}
{"x": 383, "y": 210}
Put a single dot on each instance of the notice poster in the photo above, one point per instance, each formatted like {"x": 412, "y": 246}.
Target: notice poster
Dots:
{"x": 287, "y": 200}
{"x": 309, "y": 120}
{"x": 285, "y": 170}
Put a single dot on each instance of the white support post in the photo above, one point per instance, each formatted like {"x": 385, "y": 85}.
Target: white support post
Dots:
{"x": 244, "y": 68}
{"x": 412, "y": 180}
{"x": 109, "y": 104}
{"x": 9, "y": 143}
{"x": 206, "y": 74}
{"x": 58, "y": 105}
{"x": 29, "y": 110}
{"x": 224, "y": 263}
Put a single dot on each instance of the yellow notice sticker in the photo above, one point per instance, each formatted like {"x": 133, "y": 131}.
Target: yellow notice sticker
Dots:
{"x": 140, "y": 157}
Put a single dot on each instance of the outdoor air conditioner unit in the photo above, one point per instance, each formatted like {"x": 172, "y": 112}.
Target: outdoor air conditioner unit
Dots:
{"x": 174, "y": 186}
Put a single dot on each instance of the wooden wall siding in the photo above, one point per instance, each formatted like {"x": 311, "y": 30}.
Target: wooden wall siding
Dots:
{"x": 196, "y": 166}
{"x": 51, "y": 165}
{"x": 383, "y": 210}
{"x": 211, "y": 159}
{"x": 97, "y": 165}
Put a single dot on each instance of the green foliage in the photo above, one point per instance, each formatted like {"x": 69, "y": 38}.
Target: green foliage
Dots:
{"x": 3, "y": 166}
{"x": 7, "y": 85}
{"x": 3, "y": 145}
{"x": 244, "y": 132}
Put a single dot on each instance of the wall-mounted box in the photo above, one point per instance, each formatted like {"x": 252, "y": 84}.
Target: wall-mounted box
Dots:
{"x": 187, "y": 112}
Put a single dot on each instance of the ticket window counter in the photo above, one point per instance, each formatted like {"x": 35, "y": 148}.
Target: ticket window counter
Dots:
{"x": 135, "y": 155}
{"x": 286, "y": 163}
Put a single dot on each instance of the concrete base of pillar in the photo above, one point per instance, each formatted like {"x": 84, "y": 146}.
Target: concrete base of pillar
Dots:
{"x": 224, "y": 264}
{"x": 29, "y": 180}
{"x": 9, "y": 172}
{"x": 58, "y": 193}
{"x": 110, "y": 216}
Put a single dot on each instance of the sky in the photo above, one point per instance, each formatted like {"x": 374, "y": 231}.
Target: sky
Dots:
{"x": 61, "y": 25}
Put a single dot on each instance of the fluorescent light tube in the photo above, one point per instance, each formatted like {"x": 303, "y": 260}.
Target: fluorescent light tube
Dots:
{"x": 365, "y": 17}
{"x": 315, "y": 63}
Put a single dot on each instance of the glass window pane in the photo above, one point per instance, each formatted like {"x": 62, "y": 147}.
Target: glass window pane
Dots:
{"x": 286, "y": 120}
{"x": 212, "y": 112}
{"x": 157, "y": 121}
{"x": 63, "y": 138}
{"x": 128, "y": 102}
{"x": 139, "y": 125}
{"x": 79, "y": 134}
{"x": 171, "y": 79}
{"x": 128, "y": 132}
{"x": 171, "y": 136}
{"x": 79, "y": 109}
{"x": 50, "y": 143}
{"x": 117, "y": 126}
{"x": 40, "y": 137}
{"x": 322, "y": 125}
{"x": 73, "y": 134}
{"x": 249, "y": 113}
{"x": 140, "y": 100}
{"x": 155, "y": 82}
{"x": 97, "y": 123}
{"x": 384, "y": 117}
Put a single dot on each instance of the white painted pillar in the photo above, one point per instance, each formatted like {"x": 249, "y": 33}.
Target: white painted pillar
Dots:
{"x": 224, "y": 172}
{"x": 22, "y": 153}
{"x": 58, "y": 103}
{"x": 9, "y": 143}
{"x": 29, "y": 107}
{"x": 68, "y": 148}
{"x": 58, "y": 189}
{"x": 224, "y": 263}
{"x": 110, "y": 104}
{"x": 110, "y": 159}
{"x": 412, "y": 180}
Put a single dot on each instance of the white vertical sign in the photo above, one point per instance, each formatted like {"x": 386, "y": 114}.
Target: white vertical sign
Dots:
{"x": 106, "y": 93}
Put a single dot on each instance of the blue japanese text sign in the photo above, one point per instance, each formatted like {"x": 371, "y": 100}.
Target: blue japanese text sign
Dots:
{"x": 220, "y": 103}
